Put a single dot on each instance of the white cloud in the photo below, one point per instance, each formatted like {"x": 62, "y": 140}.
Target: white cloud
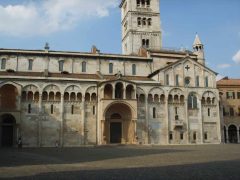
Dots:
{"x": 223, "y": 66}
{"x": 45, "y": 17}
{"x": 236, "y": 57}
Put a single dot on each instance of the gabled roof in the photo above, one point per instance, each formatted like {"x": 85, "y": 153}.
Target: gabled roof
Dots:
{"x": 178, "y": 62}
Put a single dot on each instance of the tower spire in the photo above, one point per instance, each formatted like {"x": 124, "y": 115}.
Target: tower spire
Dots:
{"x": 198, "y": 49}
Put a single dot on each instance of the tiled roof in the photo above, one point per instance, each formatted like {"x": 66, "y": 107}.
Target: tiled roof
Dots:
{"x": 228, "y": 82}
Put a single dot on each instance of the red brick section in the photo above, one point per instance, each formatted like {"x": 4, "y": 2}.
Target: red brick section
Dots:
{"x": 228, "y": 82}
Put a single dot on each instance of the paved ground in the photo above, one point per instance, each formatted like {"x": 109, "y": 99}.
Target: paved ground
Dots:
{"x": 123, "y": 162}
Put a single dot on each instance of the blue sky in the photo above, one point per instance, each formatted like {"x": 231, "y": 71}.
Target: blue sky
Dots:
{"x": 76, "y": 25}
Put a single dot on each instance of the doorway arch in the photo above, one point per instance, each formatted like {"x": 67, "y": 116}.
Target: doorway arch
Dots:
{"x": 232, "y": 134}
{"x": 7, "y": 130}
{"x": 118, "y": 125}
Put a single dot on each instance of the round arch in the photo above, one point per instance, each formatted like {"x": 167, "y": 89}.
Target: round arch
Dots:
{"x": 119, "y": 124}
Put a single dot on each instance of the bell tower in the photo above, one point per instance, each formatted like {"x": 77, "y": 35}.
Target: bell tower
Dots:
{"x": 140, "y": 25}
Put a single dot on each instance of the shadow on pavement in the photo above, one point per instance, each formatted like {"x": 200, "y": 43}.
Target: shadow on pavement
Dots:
{"x": 213, "y": 170}
{"x": 39, "y": 156}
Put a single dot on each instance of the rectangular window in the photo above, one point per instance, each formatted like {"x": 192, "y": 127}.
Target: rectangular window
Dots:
{"x": 84, "y": 66}
{"x": 170, "y": 136}
{"x": 194, "y": 136}
{"x": 230, "y": 95}
{"x": 231, "y": 111}
{"x": 134, "y": 69}
{"x": 154, "y": 112}
{"x": 224, "y": 111}
{"x": 94, "y": 110}
{"x": 181, "y": 136}
{"x": 72, "y": 109}
{"x": 29, "y": 109}
{"x": 177, "y": 80}
{"x": 176, "y": 110}
{"x": 209, "y": 112}
{"x": 110, "y": 68}
{"x": 238, "y": 95}
{"x": 30, "y": 64}
{"x": 197, "y": 81}
{"x": 167, "y": 79}
{"x": 52, "y": 109}
{"x": 3, "y": 63}
{"x": 61, "y": 63}
{"x": 205, "y": 135}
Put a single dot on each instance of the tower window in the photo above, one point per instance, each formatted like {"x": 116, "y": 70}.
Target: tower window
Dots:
{"x": 134, "y": 69}
{"x": 139, "y": 21}
{"x": 148, "y": 3}
{"x": 3, "y": 63}
{"x": 138, "y": 3}
{"x": 84, "y": 66}
{"x": 61, "y": 63}
{"x": 144, "y": 21}
{"x": 94, "y": 110}
{"x": 30, "y": 64}
{"x": 149, "y": 21}
{"x": 110, "y": 68}
{"x": 209, "y": 112}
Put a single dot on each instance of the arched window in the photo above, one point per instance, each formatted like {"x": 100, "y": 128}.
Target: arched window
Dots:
{"x": 143, "y": 3}
{"x": 30, "y": 96}
{"x": 108, "y": 91}
{"x": 84, "y": 66}
{"x": 79, "y": 97}
{"x": 87, "y": 97}
{"x": 119, "y": 91}
{"x": 192, "y": 101}
{"x": 72, "y": 96}
{"x": 197, "y": 81}
{"x": 51, "y": 96}
{"x": 177, "y": 80}
{"x": 142, "y": 98}
{"x": 36, "y": 96}
{"x": 66, "y": 96}
{"x": 129, "y": 92}
{"x": 149, "y": 21}
{"x": 143, "y": 42}
{"x": 147, "y": 43}
{"x": 167, "y": 79}
{"x": 61, "y": 64}
{"x": 3, "y": 63}
{"x": 134, "y": 69}
{"x": 110, "y": 68}
{"x": 206, "y": 81}
{"x": 45, "y": 96}
{"x": 93, "y": 97}
{"x": 30, "y": 64}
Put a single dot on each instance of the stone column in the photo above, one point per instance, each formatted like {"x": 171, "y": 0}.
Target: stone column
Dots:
{"x": 218, "y": 123}
{"x": 62, "y": 121}
{"x": 167, "y": 121}
{"x": 238, "y": 135}
{"x": 227, "y": 134}
{"x": 40, "y": 118}
{"x": 200, "y": 117}
{"x": 83, "y": 121}
{"x": 187, "y": 119}
{"x": 146, "y": 120}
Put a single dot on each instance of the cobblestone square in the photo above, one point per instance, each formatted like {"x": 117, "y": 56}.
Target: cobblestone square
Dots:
{"x": 122, "y": 162}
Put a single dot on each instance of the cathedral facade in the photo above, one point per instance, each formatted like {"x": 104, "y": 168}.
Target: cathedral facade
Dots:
{"x": 147, "y": 95}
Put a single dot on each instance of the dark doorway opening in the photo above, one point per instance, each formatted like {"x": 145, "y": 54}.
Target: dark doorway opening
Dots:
{"x": 115, "y": 132}
{"x": 232, "y": 134}
{"x": 7, "y": 130}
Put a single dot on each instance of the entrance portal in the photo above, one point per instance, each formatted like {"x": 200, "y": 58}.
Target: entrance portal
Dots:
{"x": 118, "y": 126}
{"x": 232, "y": 134}
{"x": 115, "y": 132}
{"x": 7, "y": 130}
